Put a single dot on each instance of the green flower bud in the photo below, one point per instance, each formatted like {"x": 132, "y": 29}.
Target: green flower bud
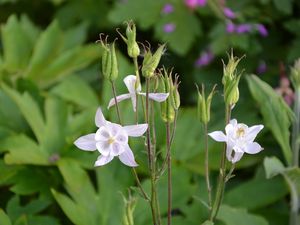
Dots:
{"x": 231, "y": 80}
{"x": 295, "y": 74}
{"x": 109, "y": 61}
{"x": 151, "y": 62}
{"x": 133, "y": 49}
{"x": 129, "y": 208}
{"x": 204, "y": 104}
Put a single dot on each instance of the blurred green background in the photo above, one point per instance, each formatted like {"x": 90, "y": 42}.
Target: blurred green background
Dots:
{"x": 51, "y": 85}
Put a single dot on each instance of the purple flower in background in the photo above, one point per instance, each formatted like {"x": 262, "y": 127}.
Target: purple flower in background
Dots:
{"x": 262, "y": 30}
{"x": 230, "y": 27}
{"x": 205, "y": 58}
{"x": 243, "y": 28}
{"x": 168, "y": 8}
{"x": 262, "y": 67}
{"x": 192, "y": 4}
{"x": 229, "y": 13}
{"x": 201, "y": 3}
{"x": 169, "y": 27}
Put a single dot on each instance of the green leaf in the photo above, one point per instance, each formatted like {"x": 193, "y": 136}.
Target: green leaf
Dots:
{"x": 17, "y": 46}
{"x": 284, "y": 6}
{"x": 4, "y": 219}
{"x": 75, "y": 90}
{"x": 23, "y": 150}
{"x": 207, "y": 222}
{"x": 46, "y": 49}
{"x": 29, "y": 109}
{"x": 273, "y": 166}
{"x": 234, "y": 216}
{"x": 277, "y": 115}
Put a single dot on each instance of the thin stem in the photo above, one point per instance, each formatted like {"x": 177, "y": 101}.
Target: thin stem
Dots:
{"x": 168, "y": 140}
{"x": 164, "y": 164}
{"x": 222, "y": 175}
{"x": 294, "y": 220}
{"x": 151, "y": 162}
{"x": 115, "y": 98}
{"x": 208, "y": 187}
{"x": 295, "y": 133}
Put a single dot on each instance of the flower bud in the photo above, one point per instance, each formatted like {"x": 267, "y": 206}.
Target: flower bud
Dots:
{"x": 151, "y": 62}
{"x": 295, "y": 74}
{"x": 133, "y": 49}
{"x": 231, "y": 80}
{"x": 109, "y": 61}
{"x": 204, "y": 104}
{"x": 130, "y": 205}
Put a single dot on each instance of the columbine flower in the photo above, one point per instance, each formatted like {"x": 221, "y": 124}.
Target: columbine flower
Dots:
{"x": 239, "y": 139}
{"x": 111, "y": 140}
{"x": 130, "y": 82}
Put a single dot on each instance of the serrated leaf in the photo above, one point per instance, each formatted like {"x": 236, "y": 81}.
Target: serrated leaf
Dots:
{"x": 17, "y": 46}
{"x": 75, "y": 90}
{"x": 4, "y": 219}
{"x": 277, "y": 115}
{"x": 234, "y": 216}
{"x": 29, "y": 109}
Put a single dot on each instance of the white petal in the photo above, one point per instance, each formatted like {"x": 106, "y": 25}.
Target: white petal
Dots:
{"x": 136, "y": 130}
{"x": 218, "y": 136}
{"x": 230, "y": 130}
{"x": 130, "y": 81}
{"x": 114, "y": 128}
{"x": 86, "y": 143}
{"x": 99, "y": 118}
{"x": 158, "y": 97}
{"x": 253, "y": 131}
{"x": 102, "y": 160}
{"x": 102, "y": 134}
{"x": 119, "y": 99}
{"x": 122, "y": 137}
{"x": 253, "y": 148}
{"x": 117, "y": 149}
{"x": 237, "y": 156}
{"x": 133, "y": 101}
{"x": 233, "y": 122}
{"x": 104, "y": 147}
{"x": 229, "y": 150}
{"x": 127, "y": 157}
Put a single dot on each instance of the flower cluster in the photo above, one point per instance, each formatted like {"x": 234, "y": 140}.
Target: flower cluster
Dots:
{"x": 239, "y": 139}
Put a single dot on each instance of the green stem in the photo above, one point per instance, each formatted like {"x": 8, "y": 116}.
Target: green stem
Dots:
{"x": 115, "y": 98}
{"x": 168, "y": 140}
{"x": 151, "y": 163}
{"x": 208, "y": 187}
{"x": 294, "y": 220}
{"x": 222, "y": 175}
{"x": 295, "y": 133}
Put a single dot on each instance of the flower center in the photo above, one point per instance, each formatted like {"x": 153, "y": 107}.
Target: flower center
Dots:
{"x": 111, "y": 140}
{"x": 240, "y": 132}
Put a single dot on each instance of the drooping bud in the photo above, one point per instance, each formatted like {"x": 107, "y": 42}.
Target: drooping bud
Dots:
{"x": 109, "y": 60}
{"x": 231, "y": 80}
{"x": 133, "y": 49}
{"x": 172, "y": 103}
{"x": 204, "y": 104}
{"x": 151, "y": 61}
{"x": 295, "y": 74}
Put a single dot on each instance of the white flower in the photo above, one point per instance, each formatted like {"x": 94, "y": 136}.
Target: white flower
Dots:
{"x": 239, "y": 138}
{"x": 111, "y": 140}
{"x": 130, "y": 82}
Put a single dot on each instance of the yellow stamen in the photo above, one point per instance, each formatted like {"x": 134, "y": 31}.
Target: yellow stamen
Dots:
{"x": 111, "y": 140}
{"x": 240, "y": 132}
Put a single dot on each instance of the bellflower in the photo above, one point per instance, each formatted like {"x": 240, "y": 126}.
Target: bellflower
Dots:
{"x": 111, "y": 140}
{"x": 130, "y": 82}
{"x": 239, "y": 139}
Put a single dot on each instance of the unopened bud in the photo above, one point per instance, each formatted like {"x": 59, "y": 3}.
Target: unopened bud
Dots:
{"x": 204, "y": 105}
{"x": 133, "y": 49}
{"x": 151, "y": 62}
{"x": 295, "y": 74}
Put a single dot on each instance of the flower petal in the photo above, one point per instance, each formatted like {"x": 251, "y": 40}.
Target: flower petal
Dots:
{"x": 119, "y": 99}
{"x": 233, "y": 122}
{"x": 102, "y": 160}
{"x": 86, "y": 142}
{"x": 253, "y": 131}
{"x": 104, "y": 147}
{"x": 117, "y": 149}
{"x": 229, "y": 150}
{"x": 218, "y": 136}
{"x": 102, "y": 134}
{"x": 130, "y": 81}
{"x": 99, "y": 118}
{"x": 136, "y": 130}
{"x": 158, "y": 97}
{"x": 237, "y": 156}
{"x": 253, "y": 148}
{"x": 127, "y": 157}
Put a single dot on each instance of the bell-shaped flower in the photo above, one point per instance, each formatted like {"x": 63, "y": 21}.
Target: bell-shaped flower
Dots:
{"x": 134, "y": 90}
{"x": 111, "y": 140}
{"x": 239, "y": 139}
